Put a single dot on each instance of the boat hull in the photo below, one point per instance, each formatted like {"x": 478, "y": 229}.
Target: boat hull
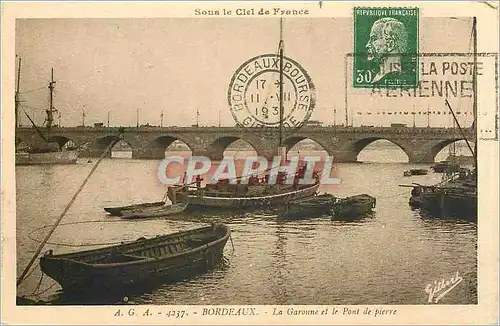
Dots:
{"x": 309, "y": 207}
{"x": 455, "y": 198}
{"x": 60, "y": 157}
{"x": 352, "y": 211}
{"x": 445, "y": 167}
{"x": 79, "y": 272}
{"x": 250, "y": 202}
{"x": 297, "y": 214}
{"x": 419, "y": 172}
{"x": 158, "y": 211}
{"x": 117, "y": 211}
{"x": 442, "y": 204}
{"x": 354, "y": 206}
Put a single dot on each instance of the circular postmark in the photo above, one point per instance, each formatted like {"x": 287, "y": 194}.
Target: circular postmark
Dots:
{"x": 254, "y": 93}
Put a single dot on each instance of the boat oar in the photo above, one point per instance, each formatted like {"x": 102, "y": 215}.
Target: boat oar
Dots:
{"x": 42, "y": 244}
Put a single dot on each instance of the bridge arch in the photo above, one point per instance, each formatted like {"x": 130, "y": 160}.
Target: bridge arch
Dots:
{"x": 361, "y": 144}
{"x": 62, "y": 141}
{"x": 437, "y": 148}
{"x": 156, "y": 147}
{"x": 290, "y": 142}
{"x": 217, "y": 147}
{"x": 167, "y": 140}
{"x": 100, "y": 144}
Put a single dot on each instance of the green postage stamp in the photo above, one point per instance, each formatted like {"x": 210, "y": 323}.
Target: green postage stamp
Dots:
{"x": 385, "y": 47}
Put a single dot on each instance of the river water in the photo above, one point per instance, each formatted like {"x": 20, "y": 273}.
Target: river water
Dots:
{"x": 387, "y": 258}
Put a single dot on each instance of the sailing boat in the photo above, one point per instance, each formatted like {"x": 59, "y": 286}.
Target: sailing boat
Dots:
{"x": 257, "y": 192}
{"x": 45, "y": 151}
{"x": 456, "y": 195}
{"x": 453, "y": 161}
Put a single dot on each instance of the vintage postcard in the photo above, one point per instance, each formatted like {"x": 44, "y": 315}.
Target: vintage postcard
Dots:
{"x": 250, "y": 162}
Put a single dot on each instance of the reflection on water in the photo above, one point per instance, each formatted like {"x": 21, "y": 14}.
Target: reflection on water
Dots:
{"x": 387, "y": 258}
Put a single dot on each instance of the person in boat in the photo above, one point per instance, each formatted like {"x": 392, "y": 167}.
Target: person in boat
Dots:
{"x": 316, "y": 176}
{"x": 416, "y": 191}
{"x": 301, "y": 171}
{"x": 223, "y": 182}
{"x": 281, "y": 178}
{"x": 253, "y": 180}
{"x": 199, "y": 179}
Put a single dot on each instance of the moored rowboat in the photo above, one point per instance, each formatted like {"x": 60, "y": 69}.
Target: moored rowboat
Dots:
{"x": 117, "y": 211}
{"x": 309, "y": 207}
{"x": 327, "y": 204}
{"x": 155, "y": 211}
{"x": 117, "y": 268}
{"x": 354, "y": 206}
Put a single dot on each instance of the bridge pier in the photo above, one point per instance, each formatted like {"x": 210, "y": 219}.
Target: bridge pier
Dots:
{"x": 343, "y": 156}
{"x": 148, "y": 153}
{"x": 212, "y": 154}
{"x": 421, "y": 157}
{"x": 93, "y": 152}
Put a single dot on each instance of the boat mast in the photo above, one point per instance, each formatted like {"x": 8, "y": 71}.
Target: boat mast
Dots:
{"x": 474, "y": 88}
{"x": 281, "y": 150}
{"x": 51, "y": 109}
{"x": 281, "y": 45}
{"x": 474, "y": 101}
{"x": 458, "y": 124}
{"x": 17, "y": 94}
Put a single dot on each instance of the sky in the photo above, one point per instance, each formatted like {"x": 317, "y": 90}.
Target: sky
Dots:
{"x": 129, "y": 67}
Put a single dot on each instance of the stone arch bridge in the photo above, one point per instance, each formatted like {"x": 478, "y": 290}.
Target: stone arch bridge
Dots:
{"x": 421, "y": 145}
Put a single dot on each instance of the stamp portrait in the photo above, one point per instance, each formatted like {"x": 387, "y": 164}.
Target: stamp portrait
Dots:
{"x": 385, "y": 46}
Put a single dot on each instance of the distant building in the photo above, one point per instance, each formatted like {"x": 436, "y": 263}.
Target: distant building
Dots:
{"x": 98, "y": 124}
{"x": 398, "y": 125}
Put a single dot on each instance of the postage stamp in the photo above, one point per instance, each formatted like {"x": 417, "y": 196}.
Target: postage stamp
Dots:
{"x": 148, "y": 181}
{"x": 386, "y": 46}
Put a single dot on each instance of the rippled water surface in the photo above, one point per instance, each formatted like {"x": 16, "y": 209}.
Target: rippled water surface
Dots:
{"x": 386, "y": 258}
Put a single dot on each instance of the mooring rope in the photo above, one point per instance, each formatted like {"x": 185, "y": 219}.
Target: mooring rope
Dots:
{"x": 25, "y": 271}
{"x": 38, "y": 285}
{"x": 42, "y": 292}
{"x": 231, "y": 238}
{"x": 396, "y": 195}
{"x": 32, "y": 271}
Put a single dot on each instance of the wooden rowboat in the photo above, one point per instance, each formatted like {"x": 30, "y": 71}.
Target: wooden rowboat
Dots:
{"x": 255, "y": 196}
{"x": 155, "y": 211}
{"x": 309, "y": 207}
{"x": 419, "y": 171}
{"x": 411, "y": 172}
{"x": 145, "y": 261}
{"x": 117, "y": 211}
{"x": 354, "y": 206}
{"x": 326, "y": 204}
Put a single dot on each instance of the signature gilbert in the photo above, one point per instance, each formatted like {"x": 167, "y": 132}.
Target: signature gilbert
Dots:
{"x": 439, "y": 289}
